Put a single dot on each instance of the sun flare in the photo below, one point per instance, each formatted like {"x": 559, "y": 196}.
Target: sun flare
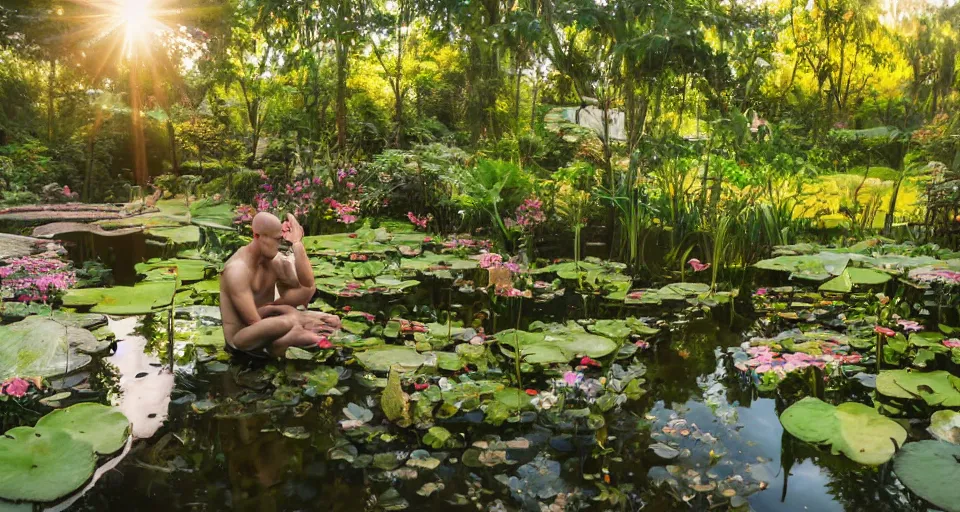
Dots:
{"x": 136, "y": 20}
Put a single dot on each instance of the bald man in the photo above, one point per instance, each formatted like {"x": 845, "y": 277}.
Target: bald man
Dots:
{"x": 255, "y": 321}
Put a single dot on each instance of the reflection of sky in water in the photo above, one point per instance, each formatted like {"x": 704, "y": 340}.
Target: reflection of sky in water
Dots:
{"x": 806, "y": 486}
{"x": 752, "y": 435}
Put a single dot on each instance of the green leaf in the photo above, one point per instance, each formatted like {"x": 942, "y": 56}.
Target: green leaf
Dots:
{"x": 935, "y": 388}
{"x": 140, "y": 299}
{"x": 853, "y": 429}
{"x": 931, "y": 469}
{"x": 43, "y": 465}
{"x": 40, "y": 346}
{"x": 104, "y": 428}
{"x": 394, "y": 402}
{"x": 381, "y": 359}
{"x": 945, "y": 426}
{"x": 436, "y": 437}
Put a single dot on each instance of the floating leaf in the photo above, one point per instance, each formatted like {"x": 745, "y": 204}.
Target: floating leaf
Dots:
{"x": 853, "y": 429}
{"x": 436, "y": 437}
{"x": 945, "y": 426}
{"x": 381, "y": 359}
{"x": 140, "y": 299}
{"x": 931, "y": 469}
{"x": 394, "y": 402}
{"x": 104, "y": 428}
{"x": 939, "y": 388}
{"x": 43, "y": 465}
{"x": 40, "y": 346}
{"x": 664, "y": 450}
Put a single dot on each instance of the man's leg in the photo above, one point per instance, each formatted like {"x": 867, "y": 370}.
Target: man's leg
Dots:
{"x": 279, "y": 331}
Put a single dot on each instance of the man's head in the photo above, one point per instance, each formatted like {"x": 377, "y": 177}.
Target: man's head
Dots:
{"x": 267, "y": 234}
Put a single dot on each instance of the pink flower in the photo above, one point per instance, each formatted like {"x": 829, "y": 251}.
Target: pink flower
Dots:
{"x": 952, "y": 343}
{"x": 420, "y": 386}
{"x": 490, "y": 260}
{"x": 884, "y": 331}
{"x": 909, "y": 325}
{"x": 368, "y": 317}
{"x": 697, "y": 266}
{"x": 15, "y": 387}
{"x": 351, "y": 185}
{"x": 586, "y": 361}
{"x": 531, "y": 392}
{"x": 66, "y": 190}
{"x": 418, "y": 221}
{"x": 324, "y": 343}
{"x": 641, "y": 344}
{"x": 637, "y": 295}
{"x": 348, "y": 219}
{"x": 760, "y": 291}
{"x": 572, "y": 378}
{"x": 353, "y": 285}
{"x": 352, "y": 235}
{"x": 427, "y": 239}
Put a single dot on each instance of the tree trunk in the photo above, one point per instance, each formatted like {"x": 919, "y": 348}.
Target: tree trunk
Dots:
{"x": 341, "y": 114}
{"x": 51, "y": 83}
{"x": 140, "y": 172}
{"x": 533, "y": 101}
{"x": 171, "y": 134}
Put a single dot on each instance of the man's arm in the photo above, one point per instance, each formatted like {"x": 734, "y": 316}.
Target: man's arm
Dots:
{"x": 237, "y": 281}
{"x": 296, "y": 282}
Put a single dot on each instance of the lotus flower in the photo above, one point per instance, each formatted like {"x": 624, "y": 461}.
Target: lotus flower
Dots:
{"x": 697, "y": 266}
{"x": 884, "y": 331}
{"x": 586, "y": 361}
{"x": 572, "y": 378}
{"x": 15, "y": 387}
{"x": 909, "y": 325}
{"x": 952, "y": 343}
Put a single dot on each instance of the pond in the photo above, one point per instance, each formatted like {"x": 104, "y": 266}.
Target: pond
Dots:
{"x": 627, "y": 397}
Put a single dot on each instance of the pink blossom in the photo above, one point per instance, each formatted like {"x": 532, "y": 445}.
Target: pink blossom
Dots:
{"x": 637, "y": 295}
{"x": 420, "y": 386}
{"x": 66, "y": 190}
{"x": 760, "y": 291}
{"x": 952, "y": 343}
{"x": 351, "y": 185}
{"x": 909, "y": 325}
{"x": 324, "y": 343}
{"x": 418, "y": 221}
{"x": 353, "y": 285}
{"x": 509, "y": 291}
{"x": 427, "y": 239}
{"x": 490, "y": 260}
{"x": 572, "y": 378}
{"x": 586, "y": 361}
{"x": 15, "y": 387}
{"x": 348, "y": 219}
{"x": 697, "y": 266}
{"x": 884, "y": 331}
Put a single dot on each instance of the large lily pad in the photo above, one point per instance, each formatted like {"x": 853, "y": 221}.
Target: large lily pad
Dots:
{"x": 103, "y": 428}
{"x": 178, "y": 235}
{"x": 558, "y": 343}
{"x": 931, "y": 469}
{"x": 853, "y": 429}
{"x": 851, "y": 277}
{"x": 815, "y": 267}
{"x": 42, "y": 464}
{"x": 41, "y": 346}
{"x": 381, "y": 359}
{"x": 939, "y": 388}
{"x": 186, "y": 269}
{"x": 140, "y": 299}
{"x": 945, "y": 426}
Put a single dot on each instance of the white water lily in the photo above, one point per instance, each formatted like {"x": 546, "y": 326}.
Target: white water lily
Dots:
{"x": 545, "y": 400}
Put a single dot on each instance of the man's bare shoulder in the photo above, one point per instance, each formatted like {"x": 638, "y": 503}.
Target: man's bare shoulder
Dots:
{"x": 235, "y": 271}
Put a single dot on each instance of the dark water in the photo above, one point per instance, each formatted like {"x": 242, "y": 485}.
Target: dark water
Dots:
{"x": 236, "y": 457}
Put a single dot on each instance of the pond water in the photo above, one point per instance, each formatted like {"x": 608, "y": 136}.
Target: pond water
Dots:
{"x": 243, "y": 435}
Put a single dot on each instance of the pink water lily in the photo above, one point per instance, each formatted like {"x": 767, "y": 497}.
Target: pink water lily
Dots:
{"x": 586, "y": 361}
{"x": 15, "y": 387}
{"x": 952, "y": 343}
{"x": 761, "y": 292}
{"x": 884, "y": 331}
{"x": 572, "y": 378}
{"x": 697, "y": 266}
{"x": 324, "y": 343}
{"x": 909, "y": 325}
{"x": 641, "y": 344}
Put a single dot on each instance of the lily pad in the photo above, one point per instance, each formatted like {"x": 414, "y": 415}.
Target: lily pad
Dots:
{"x": 939, "y": 388}
{"x": 178, "y": 235}
{"x": 103, "y": 428}
{"x": 43, "y": 465}
{"x": 931, "y": 469}
{"x": 381, "y": 359}
{"x": 558, "y": 343}
{"x": 40, "y": 346}
{"x": 140, "y": 299}
{"x": 853, "y": 429}
{"x": 945, "y": 426}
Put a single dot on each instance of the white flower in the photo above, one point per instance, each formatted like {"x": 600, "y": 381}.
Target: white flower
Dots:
{"x": 545, "y": 400}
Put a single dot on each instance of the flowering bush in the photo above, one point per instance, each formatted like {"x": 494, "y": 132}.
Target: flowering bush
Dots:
{"x": 527, "y": 216}
{"x": 420, "y": 222}
{"x": 35, "y": 279}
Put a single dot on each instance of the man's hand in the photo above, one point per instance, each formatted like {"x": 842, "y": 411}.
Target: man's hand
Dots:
{"x": 292, "y": 230}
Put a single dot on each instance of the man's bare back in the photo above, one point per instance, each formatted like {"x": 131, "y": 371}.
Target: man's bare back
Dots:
{"x": 255, "y": 319}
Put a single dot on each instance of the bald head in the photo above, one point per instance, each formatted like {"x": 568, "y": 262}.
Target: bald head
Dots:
{"x": 267, "y": 224}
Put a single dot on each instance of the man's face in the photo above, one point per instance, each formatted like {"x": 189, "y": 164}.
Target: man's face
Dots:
{"x": 270, "y": 241}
